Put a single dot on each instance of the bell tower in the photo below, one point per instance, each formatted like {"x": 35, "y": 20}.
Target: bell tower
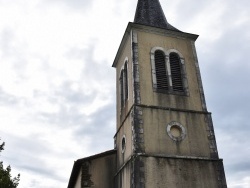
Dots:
{"x": 165, "y": 136}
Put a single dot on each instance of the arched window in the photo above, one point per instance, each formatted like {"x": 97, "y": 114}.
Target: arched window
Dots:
{"x": 125, "y": 81}
{"x": 176, "y": 72}
{"x": 168, "y": 71}
{"x": 124, "y": 84}
{"x": 121, "y": 88}
{"x": 161, "y": 70}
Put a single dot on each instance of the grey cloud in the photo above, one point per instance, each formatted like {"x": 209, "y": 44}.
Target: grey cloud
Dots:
{"x": 240, "y": 167}
{"x": 66, "y": 117}
{"x": 102, "y": 73}
{"x": 101, "y": 127}
{"x": 236, "y": 170}
{"x": 99, "y": 121}
{"x": 100, "y": 124}
{"x": 227, "y": 74}
{"x": 225, "y": 69}
{"x": 232, "y": 7}
{"x": 32, "y": 143}
{"x": 74, "y": 97}
{"x": 71, "y": 101}
{"x": 41, "y": 169}
{"x": 29, "y": 155}
{"x": 99, "y": 70}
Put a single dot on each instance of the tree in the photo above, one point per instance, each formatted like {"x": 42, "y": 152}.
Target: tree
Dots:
{"x": 6, "y": 180}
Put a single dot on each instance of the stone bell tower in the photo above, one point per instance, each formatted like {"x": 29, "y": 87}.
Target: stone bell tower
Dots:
{"x": 165, "y": 136}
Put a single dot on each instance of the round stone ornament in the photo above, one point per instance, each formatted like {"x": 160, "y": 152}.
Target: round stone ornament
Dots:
{"x": 123, "y": 143}
{"x": 176, "y": 131}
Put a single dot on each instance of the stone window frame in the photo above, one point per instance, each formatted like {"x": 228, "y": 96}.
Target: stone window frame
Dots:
{"x": 123, "y": 83}
{"x": 167, "y": 61}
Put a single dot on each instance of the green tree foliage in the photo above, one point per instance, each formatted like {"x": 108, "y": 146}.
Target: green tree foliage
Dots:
{"x": 6, "y": 180}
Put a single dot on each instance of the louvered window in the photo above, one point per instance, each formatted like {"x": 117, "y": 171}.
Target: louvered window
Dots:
{"x": 125, "y": 82}
{"x": 176, "y": 73}
{"x": 121, "y": 89}
{"x": 161, "y": 71}
{"x": 168, "y": 71}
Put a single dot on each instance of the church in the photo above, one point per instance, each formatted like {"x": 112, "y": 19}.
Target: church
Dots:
{"x": 164, "y": 134}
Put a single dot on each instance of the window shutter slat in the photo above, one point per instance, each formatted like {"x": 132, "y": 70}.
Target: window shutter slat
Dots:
{"x": 160, "y": 69}
{"x": 176, "y": 75}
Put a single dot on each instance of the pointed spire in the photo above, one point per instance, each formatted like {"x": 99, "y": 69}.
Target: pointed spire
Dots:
{"x": 149, "y": 12}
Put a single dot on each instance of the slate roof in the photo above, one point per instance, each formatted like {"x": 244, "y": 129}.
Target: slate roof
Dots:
{"x": 77, "y": 165}
{"x": 149, "y": 12}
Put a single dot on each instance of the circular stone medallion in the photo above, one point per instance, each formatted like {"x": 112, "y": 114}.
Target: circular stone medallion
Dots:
{"x": 176, "y": 131}
{"x": 123, "y": 143}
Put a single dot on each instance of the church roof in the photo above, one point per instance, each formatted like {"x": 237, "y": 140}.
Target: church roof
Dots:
{"x": 149, "y": 12}
{"x": 77, "y": 165}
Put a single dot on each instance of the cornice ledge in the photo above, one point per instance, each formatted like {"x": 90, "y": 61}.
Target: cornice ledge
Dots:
{"x": 165, "y": 32}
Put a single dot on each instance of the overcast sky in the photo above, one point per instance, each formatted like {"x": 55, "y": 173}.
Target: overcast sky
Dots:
{"x": 57, "y": 87}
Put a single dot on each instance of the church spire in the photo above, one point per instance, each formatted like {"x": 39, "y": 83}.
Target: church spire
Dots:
{"x": 149, "y": 12}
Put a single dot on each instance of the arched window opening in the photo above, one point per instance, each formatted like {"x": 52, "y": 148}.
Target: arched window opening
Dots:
{"x": 161, "y": 71}
{"x": 168, "y": 71}
{"x": 125, "y": 82}
{"x": 176, "y": 72}
{"x": 121, "y": 89}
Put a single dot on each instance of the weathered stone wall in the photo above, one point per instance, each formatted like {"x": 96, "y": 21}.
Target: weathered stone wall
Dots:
{"x": 195, "y": 143}
{"x": 146, "y": 41}
{"x": 179, "y": 173}
{"x": 123, "y": 177}
{"x": 160, "y": 109}
{"x": 124, "y": 131}
{"x": 99, "y": 172}
{"x": 125, "y": 55}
